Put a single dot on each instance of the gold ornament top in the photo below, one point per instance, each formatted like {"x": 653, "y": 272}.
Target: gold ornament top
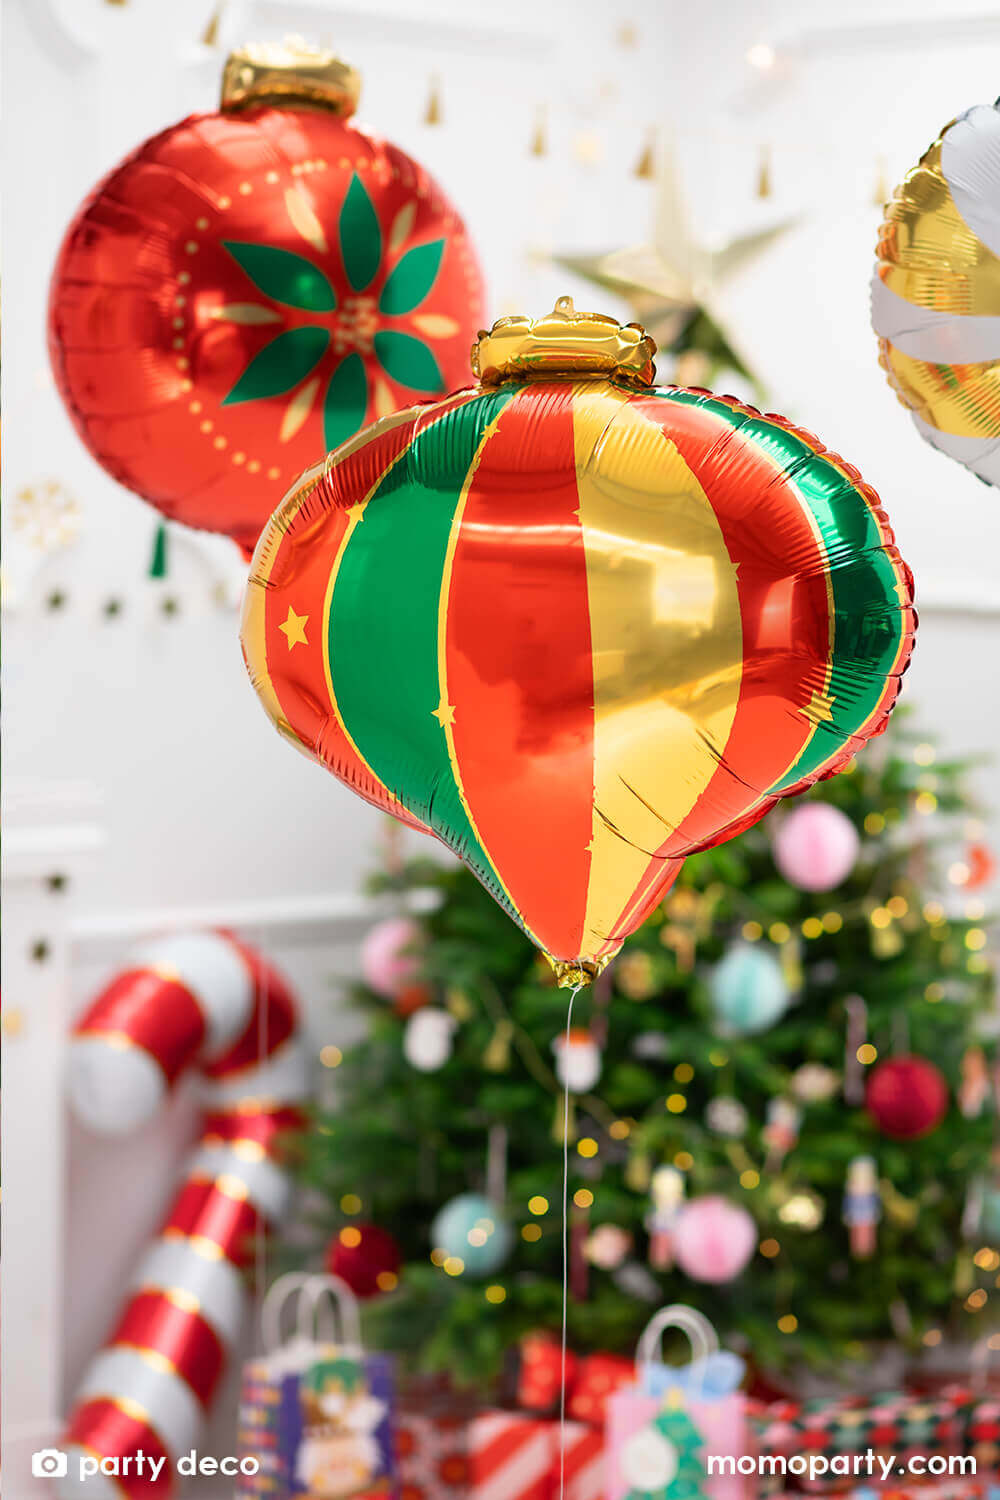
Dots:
{"x": 564, "y": 342}
{"x": 289, "y": 72}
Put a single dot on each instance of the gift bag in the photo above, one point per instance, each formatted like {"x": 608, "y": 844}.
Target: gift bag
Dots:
{"x": 662, "y": 1429}
{"x": 316, "y": 1411}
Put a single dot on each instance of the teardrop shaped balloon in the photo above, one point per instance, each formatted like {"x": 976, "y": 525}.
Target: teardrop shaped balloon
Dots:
{"x": 578, "y": 626}
{"x": 936, "y": 292}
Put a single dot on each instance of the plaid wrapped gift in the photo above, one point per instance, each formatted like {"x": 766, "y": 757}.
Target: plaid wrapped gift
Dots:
{"x": 896, "y": 1422}
{"x": 959, "y": 1487}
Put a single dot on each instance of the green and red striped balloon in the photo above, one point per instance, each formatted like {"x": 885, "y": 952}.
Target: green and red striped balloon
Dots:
{"x": 579, "y": 630}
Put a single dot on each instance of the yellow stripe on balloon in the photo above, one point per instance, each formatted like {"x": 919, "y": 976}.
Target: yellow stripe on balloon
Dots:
{"x": 666, "y": 639}
{"x": 929, "y": 255}
{"x": 961, "y": 399}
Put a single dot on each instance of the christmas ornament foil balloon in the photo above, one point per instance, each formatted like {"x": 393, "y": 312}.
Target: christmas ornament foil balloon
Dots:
{"x": 249, "y": 288}
{"x": 578, "y": 626}
{"x": 936, "y": 292}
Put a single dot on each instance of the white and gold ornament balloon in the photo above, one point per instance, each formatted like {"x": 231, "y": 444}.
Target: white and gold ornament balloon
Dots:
{"x": 936, "y": 292}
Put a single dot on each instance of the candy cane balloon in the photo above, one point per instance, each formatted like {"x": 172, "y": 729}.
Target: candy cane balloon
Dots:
{"x": 197, "y": 999}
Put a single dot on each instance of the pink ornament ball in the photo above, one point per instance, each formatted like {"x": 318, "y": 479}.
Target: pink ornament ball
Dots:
{"x": 713, "y": 1239}
{"x": 389, "y": 957}
{"x": 816, "y": 846}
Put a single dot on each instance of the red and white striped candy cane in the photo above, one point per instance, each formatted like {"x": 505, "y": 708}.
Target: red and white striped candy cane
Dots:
{"x": 194, "y": 999}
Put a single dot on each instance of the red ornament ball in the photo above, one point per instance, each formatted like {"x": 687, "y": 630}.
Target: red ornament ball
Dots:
{"x": 907, "y": 1097}
{"x": 366, "y": 1257}
{"x": 250, "y": 288}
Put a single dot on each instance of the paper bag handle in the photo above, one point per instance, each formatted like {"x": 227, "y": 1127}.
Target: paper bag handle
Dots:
{"x": 313, "y": 1294}
{"x": 702, "y": 1336}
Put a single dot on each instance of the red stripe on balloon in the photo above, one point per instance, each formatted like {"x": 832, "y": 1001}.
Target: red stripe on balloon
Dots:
{"x": 203, "y": 1211}
{"x": 106, "y": 1431}
{"x": 152, "y": 1321}
{"x": 156, "y": 1012}
{"x": 519, "y": 665}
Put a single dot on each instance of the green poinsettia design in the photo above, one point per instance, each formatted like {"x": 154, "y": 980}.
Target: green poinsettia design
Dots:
{"x": 296, "y": 281}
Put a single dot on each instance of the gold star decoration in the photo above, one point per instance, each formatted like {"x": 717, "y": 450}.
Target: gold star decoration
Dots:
{"x": 672, "y": 281}
{"x": 819, "y": 709}
{"x": 444, "y": 713}
{"x": 294, "y": 629}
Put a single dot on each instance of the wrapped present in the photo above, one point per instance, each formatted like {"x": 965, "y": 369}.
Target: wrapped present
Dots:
{"x": 316, "y": 1414}
{"x": 895, "y": 1422}
{"x": 496, "y": 1455}
{"x": 590, "y": 1379}
{"x": 663, "y": 1426}
{"x": 956, "y": 1487}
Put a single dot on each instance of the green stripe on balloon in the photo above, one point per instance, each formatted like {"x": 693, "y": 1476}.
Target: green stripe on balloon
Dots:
{"x": 868, "y": 623}
{"x": 385, "y": 607}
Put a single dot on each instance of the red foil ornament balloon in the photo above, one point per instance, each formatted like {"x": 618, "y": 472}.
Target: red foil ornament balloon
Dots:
{"x": 251, "y": 287}
{"x": 907, "y": 1097}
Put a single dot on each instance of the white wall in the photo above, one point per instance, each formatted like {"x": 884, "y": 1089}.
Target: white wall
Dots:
{"x": 202, "y": 806}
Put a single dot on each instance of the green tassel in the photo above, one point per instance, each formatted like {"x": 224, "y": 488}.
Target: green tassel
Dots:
{"x": 158, "y": 561}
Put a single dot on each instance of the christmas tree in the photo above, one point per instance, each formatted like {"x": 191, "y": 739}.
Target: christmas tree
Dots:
{"x": 811, "y": 1056}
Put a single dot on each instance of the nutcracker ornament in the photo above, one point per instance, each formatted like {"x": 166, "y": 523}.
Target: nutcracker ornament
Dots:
{"x": 249, "y": 288}
{"x": 666, "y": 1190}
{"x": 862, "y": 1206}
{"x": 781, "y": 1130}
{"x": 579, "y": 626}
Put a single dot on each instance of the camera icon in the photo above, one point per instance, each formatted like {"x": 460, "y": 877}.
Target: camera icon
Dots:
{"x": 49, "y": 1463}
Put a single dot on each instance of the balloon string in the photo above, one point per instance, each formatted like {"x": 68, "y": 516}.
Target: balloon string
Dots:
{"x": 565, "y": 1249}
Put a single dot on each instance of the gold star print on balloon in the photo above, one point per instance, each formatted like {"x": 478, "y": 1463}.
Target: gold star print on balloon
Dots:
{"x": 672, "y": 282}
{"x": 294, "y": 629}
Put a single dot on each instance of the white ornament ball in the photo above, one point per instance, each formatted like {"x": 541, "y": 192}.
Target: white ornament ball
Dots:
{"x": 428, "y": 1040}
{"x": 648, "y": 1461}
{"x": 607, "y": 1246}
{"x": 726, "y": 1116}
{"x": 815, "y": 1082}
{"x": 578, "y": 1061}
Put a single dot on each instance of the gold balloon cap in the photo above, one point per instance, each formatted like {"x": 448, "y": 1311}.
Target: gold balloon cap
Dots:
{"x": 564, "y": 342}
{"x": 289, "y": 72}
